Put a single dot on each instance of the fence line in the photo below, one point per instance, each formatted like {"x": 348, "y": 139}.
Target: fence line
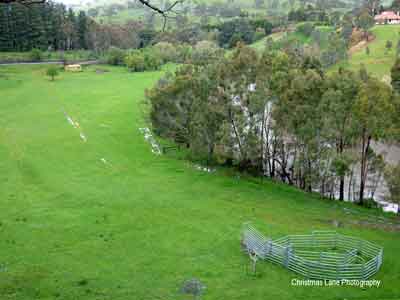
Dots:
{"x": 319, "y": 255}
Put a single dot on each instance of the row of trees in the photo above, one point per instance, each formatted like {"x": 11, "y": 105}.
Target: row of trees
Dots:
{"x": 281, "y": 116}
{"x": 50, "y": 26}
{"x": 152, "y": 58}
{"x": 43, "y": 25}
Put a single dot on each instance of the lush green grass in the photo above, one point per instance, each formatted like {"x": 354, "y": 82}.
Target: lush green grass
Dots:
{"x": 379, "y": 61}
{"x": 74, "y": 227}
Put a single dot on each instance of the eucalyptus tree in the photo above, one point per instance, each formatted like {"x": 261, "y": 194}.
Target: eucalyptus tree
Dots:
{"x": 171, "y": 106}
{"x": 298, "y": 111}
{"x": 341, "y": 92}
{"x": 238, "y": 101}
{"x": 374, "y": 113}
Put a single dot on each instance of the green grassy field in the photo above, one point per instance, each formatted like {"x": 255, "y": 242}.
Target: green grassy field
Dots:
{"x": 107, "y": 219}
{"x": 379, "y": 61}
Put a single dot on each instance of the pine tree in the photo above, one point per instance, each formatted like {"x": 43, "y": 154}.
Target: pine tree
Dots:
{"x": 5, "y": 31}
{"x": 81, "y": 30}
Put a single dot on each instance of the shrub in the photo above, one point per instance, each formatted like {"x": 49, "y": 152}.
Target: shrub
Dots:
{"x": 232, "y": 32}
{"x": 205, "y": 52}
{"x": 388, "y": 46}
{"x": 305, "y": 28}
{"x": 392, "y": 177}
{"x": 152, "y": 62}
{"x": 36, "y": 55}
{"x": 258, "y": 35}
{"x": 115, "y": 56}
{"x": 235, "y": 39}
{"x": 52, "y": 72}
{"x": 167, "y": 52}
{"x": 262, "y": 24}
{"x": 184, "y": 52}
{"x": 134, "y": 61}
{"x": 370, "y": 203}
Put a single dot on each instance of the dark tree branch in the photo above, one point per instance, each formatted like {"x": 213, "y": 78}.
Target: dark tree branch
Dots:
{"x": 164, "y": 13}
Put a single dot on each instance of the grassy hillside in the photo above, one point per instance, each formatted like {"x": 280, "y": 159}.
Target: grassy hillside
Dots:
{"x": 260, "y": 45}
{"x": 378, "y": 62}
{"x": 295, "y": 36}
{"x": 108, "y": 219}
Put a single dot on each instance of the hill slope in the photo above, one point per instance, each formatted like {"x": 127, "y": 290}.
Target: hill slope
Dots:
{"x": 108, "y": 219}
{"x": 379, "y": 61}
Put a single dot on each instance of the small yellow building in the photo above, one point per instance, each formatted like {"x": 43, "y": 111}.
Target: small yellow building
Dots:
{"x": 73, "y": 68}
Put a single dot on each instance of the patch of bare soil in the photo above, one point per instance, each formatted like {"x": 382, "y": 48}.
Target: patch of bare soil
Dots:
{"x": 361, "y": 45}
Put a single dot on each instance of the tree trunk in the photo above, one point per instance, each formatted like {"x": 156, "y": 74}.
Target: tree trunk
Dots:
{"x": 309, "y": 183}
{"x": 364, "y": 156}
{"x": 263, "y": 130}
{"x": 341, "y": 179}
{"x": 236, "y": 134}
{"x": 272, "y": 170}
{"x": 341, "y": 188}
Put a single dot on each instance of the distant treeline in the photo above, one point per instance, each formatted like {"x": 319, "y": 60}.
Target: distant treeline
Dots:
{"x": 51, "y": 26}
{"x": 46, "y": 25}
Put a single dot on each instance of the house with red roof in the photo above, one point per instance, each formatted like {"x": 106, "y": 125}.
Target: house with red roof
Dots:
{"x": 387, "y": 17}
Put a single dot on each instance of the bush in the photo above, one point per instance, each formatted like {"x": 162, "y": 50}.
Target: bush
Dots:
{"x": 167, "y": 52}
{"x": 36, "y": 55}
{"x": 262, "y": 24}
{"x": 151, "y": 61}
{"x": 52, "y": 72}
{"x": 134, "y": 61}
{"x": 392, "y": 177}
{"x": 232, "y": 32}
{"x": 235, "y": 39}
{"x": 115, "y": 56}
{"x": 259, "y": 35}
{"x": 184, "y": 52}
{"x": 370, "y": 203}
{"x": 305, "y": 28}
{"x": 205, "y": 52}
{"x": 139, "y": 61}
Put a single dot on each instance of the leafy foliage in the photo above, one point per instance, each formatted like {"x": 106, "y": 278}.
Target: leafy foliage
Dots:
{"x": 392, "y": 176}
{"x": 277, "y": 114}
{"x": 36, "y": 55}
{"x": 139, "y": 61}
{"x": 52, "y": 72}
{"x": 42, "y": 26}
{"x": 115, "y": 56}
{"x": 237, "y": 30}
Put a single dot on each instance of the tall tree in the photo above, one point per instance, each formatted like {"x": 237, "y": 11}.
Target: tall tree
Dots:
{"x": 82, "y": 30}
{"x": 374, "y": 112}
{"x": 365, "y": 21}
{"x": 339, "y": 124}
